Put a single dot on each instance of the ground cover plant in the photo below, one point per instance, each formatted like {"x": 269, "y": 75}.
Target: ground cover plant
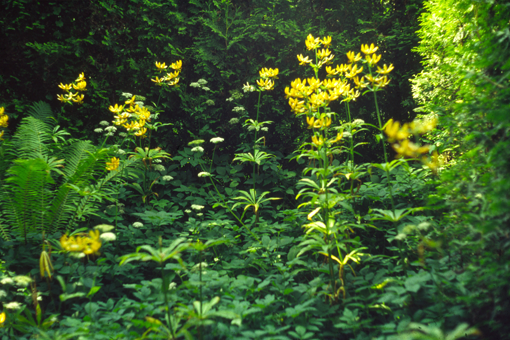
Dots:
{"x": 364, "y": 225}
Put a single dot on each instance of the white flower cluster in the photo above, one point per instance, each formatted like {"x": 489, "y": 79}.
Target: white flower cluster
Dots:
{"x": 265, "y": 128}
{"x": 104, "y": 123}
{"x": 204, "y": 174}
{"x": 121, "y": 152}
{"x": 138, "y": 224}
{"x": 194, "y": 84}
{"x": 167, "y": 178}
{"x": 123, "y": 134}
{"x": 238, "y": 109}
{"x": 108, "y": 236}
{"x": 197, "y": 207}
{"x": 127, "y": 95}
{"x": 230, "y": 99}
{"x": 209, "y": 102}
{"x": 358, "y": 122}
{"x": 202, "y": 81}
{"x": 159, "y": 167}
{"x": 197, "y": 149}
{"x": 234, "y": 121}
{"x": 98, "y": 130}
{"x": 216, "y": 140}
{"x": 110, "y": 128}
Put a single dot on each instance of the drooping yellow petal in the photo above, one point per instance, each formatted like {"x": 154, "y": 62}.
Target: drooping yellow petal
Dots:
{"x": 369, "y": 49}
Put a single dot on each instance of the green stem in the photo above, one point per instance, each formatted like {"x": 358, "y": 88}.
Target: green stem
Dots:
{"x": 165, "y": 293}
{"x": 255, "y": 140}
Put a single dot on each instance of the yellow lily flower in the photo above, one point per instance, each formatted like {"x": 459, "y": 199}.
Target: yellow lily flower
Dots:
{"x": 65, "y": 87}
{"x": 338, "y": 137}
{"x": 265, "y": 84}
{"x": 360, "y": 83}
{"x": 352, "y": 57}
{"x": 303, "y": 60}
{"x": 1, "y": 135}
{"x": 161, "y": 66}
{"x": 317, "y": 141}
{"x": 269, "y": 73}
{"x": 354, "y": 70}
{"x": 331, "y": 71}
{"x": 81, "y": 86}
{"x": 141, "y": 132}
{"x": 369, "y": 49}
{"x": 2, "y": 317}
{"x": 385, "y": 69}
{"x": 158, "y": 81}
{"x": 372, "y": 60}
{"x": 2, "y": 110}
{"x": 79, "y": 99}
{"x": 323, "y": 53}
{"x": 116, "y": 108}
{"x": 61, "y": 98}
{"x": 172, "y": 75}
{"x": 177, "y": 65}
{"x": 311, "y": 42}
{"x": 81, "y": 77}
{"x": 296, "y": 105}
{"x": 173, "y": 82}
{"x": 314, "y": 83}
{"x": 113, "y": 164}
{"x": 326, "y": 41}
{"x": 119, "y": 121}
{"x": 131, "y": 101}
{"x": 131, "y": 126}
{"x": 343, "y": 68}
{"x": 382, "y": 81}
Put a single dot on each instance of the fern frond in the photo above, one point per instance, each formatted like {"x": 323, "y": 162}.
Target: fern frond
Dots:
{"x": 31, "y": 139}
{"x": 42, "y": 111}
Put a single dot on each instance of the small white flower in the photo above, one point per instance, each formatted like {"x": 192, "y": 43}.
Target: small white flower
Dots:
{"x": 205, "y": 88}
{"x": 400, "y": 236}
{"x": 157, "y": 160}
{"x": 123, "y": 134}
{"x": 167, "y": 178}
{"x": 234, "y": 121}
{"x": 194, "y": 84}
{"x": 12, "y": 305}
{"x": 347, "y": 134}
{"x": 76, "y": 255}
{"x": 2, "y": 294}
{"x": 209, "y": 102}
{"x": 230, "y": 99}
{"x": 159, "y": 167}
{"x": 197, "y": 207}
{"x": 108, "y": 236}
{"x": 127, "y": 95}
{"x": 138, "y": 224}
{"x": 110, "y": 128}
{"x": 217, "y": 140}
{"x": 265, "y": 128}
{"x": 98, "y": 130}
{"x": 22, "y": 280}
{"x": 202, "y": 81}
{"x": 121, "y": 152}
{"x": 251, "y": 128}
{"x": 172, "y": 285}
{"x": 358, "y": 122}
{"x": 104, "y": 227}
{"x": 7, "y": 281}
{"x": 200, "y": 214}
{"x": 238, "y": 109}
{"x": 197, "y": 149}
{"x": 187, "y": 211}
{"x": 109, "y": 134}
{"x": 139, "y": 104}
{"x": 196, "y": 267}
{"x": 204, "y": 174}
{"x": 104, "y": 123}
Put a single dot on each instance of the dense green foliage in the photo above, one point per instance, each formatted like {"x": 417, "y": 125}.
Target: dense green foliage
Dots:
{"x": 322, "y": 235}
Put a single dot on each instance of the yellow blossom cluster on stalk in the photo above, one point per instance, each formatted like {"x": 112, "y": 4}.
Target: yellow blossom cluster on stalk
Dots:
{"x": 267, "y": 76}
{"x": 4, "y": 121}
{"x": 87, "y": 244}
{"x": 343, "y": 82}
{"x": 132, "y": 117}
{"x": 171, "y": 78}
{"x": 79, "y": 85}
{"x": 399, "y": 136}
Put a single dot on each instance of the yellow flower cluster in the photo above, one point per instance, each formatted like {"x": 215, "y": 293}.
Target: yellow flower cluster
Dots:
{"x": 267, "y": 76}
{"x": 79, "y": 85}
{"x": 139, "y": 115}
{"x": 4, "y": 121}
{"x": 399, "y": 136}
{"x": 171, "y": 78}
{"x": 82, "y": 243}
